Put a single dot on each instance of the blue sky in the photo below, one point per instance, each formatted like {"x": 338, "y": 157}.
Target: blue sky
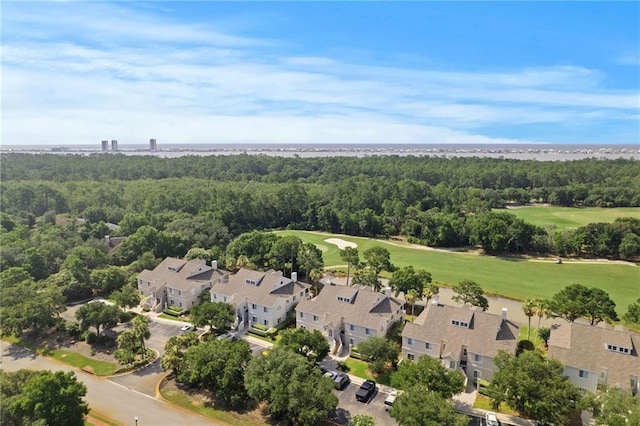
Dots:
{"x": 323, "y": 72}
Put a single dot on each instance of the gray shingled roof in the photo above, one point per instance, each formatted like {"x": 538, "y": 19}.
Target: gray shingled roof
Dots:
{"x": 269, "y": 286}
{"x": 181, "y": 274}
{"x": 584, "y": 347}
{"x": 368, "y": 308}
{"x": 486, "y": 335}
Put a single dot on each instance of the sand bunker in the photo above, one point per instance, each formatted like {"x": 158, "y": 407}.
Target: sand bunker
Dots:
{"x": 342, "y": 244}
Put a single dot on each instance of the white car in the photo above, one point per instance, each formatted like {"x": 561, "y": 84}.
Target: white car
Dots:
{"x": 187, "y": 328}
{"x": 492, "y": 419}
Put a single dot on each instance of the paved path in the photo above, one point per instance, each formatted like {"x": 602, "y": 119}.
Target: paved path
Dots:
{"x": 106, "y": 397}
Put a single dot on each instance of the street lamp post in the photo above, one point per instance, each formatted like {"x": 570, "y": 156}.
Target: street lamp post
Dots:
{"x": 136, "y": 419}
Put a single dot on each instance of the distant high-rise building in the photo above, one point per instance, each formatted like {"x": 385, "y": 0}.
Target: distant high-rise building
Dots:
{"x": 152, "y": 144}
{"x": 105, "y": 146}
{"x": 114, "y": 145}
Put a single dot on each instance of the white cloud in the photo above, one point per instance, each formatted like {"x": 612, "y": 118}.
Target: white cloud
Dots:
{"x": 110, "y": 70}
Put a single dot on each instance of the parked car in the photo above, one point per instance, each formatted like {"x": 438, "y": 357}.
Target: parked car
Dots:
{"x": 492, "y": 419}
{"x": 187, "y": 328}
{"x": 228, "y": 335}
{"x": 366, "y": 391}
{"x": 388, "y": 403}
{"x": 340, "y": 380}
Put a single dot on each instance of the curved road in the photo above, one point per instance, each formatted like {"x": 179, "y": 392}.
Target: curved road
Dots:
{"x": 116, "y": 401}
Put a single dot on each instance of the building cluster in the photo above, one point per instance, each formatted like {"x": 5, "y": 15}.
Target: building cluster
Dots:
{"x": 153, "y": 146}
{"x": 464, "y": 338}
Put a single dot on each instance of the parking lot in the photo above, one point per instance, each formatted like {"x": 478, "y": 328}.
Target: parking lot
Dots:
{"x": 348, "y": 406}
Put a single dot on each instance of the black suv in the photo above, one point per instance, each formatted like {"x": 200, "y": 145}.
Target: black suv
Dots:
{"x": 365, "y": 392}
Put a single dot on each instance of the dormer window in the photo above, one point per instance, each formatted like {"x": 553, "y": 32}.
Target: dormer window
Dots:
{"x": 248, "y": 281}
{"x": 460, "y": 323}
{"x": 619, "y": 349}
{"x": 344, "y": 299}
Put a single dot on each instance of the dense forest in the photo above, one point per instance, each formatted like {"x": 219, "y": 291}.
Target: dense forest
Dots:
{"x": 57, "y": 210}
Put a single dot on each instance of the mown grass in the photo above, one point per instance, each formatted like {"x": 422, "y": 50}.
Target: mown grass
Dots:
{"x": 360, "y": 369}
{"x": 484, "y": 403}
{"x": 171, "y": 317}
{"x": 571, "y": 217}
{"x": 99, "y": 368}
{"x": 512, "y": 278}
{"x": 204, "y": 408}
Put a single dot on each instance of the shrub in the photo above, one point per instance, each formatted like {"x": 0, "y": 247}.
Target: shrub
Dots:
{"x": 342, "y": 366}
{"x": 91, "y": 337}
{"x": 73, "y": 329}
{"x": 260, "y": 327}
{"x": 257, "y": 332}
{"x": 146, "y": 309}
{"x": 525, "y": 345}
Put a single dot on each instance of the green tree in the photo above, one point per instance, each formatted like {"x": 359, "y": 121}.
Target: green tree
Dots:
{"x": 421, "y": 407}
{"x": 576, "y": 300}
{"x": 284, "y": 253}
{"x": 534, "y": 386}
{"x": 362, "y": 420}
{"x": 217, "y": 366}
{"x": 470, "y": 292}
{"x": 27, "y": 305}
{"x": 292, "y": 387}
{"x": 529, "y": 309}
{"x": 42, "y": 397}
{"x": 98, "y": 315}
{"x": 379, "y": 259}
{"x": 545, "y": 334}
{"x": 105, "y": 280}
{"x": 310, "y": 257}
{"x": 405, "y": 279}
{"x": 174, "y": 350}
{"x": 214, "y": 314}
{"x": 429, "y": 373}
{"x": 352, "y": 257}
{"x": 380, "y": 352}
{"x": 411, "y": 297}
{"x": 311, "y": 345}
{"x": 430, "y": 290}
{"x": 126, "y": 297}
{"x": 132, "y": 342}
{"x": 613, "y": 407}
{"x": 633, "y": 313}
{"x": 367, "y": 276}
{"x": 539, "y": 309}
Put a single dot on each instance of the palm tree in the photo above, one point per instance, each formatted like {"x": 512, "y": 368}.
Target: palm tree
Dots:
{"x": 429, "y": 290}
{"x": 540, "y": 309}
{"x": 351, "y": 256}
{"x": 411, "y": 297}
{"x": 528, "y": 307}
{"x": 141, "y": 331}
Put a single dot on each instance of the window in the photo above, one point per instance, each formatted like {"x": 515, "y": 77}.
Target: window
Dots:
{"x": 172, "y": 302}
{"x": 583, "y": 374}
{"x": 253, "y": 306}
{"x": 301, "y": 314}
{"x": 619, "y": 349}
{"x": 279, "y": 320}
{"x": 460, "y": 323}
{"x": 351, "y": 327}
{"x": 351, "y": 342}
{"x": 409, "y": 341}
{"x": 452, "y": 365}
{"x": 367, "y": 331}
{"x": 477, "y": 374}
{"x": 464, "y": 352}
{"x": 215, "y": 296}
{"x": 170, "y": 291}
{"x": 266, "y": 322}
{"x": 315, "y": 318}
{"x": 410, "y": 357}
{"x": 254, "y": 319}
{"x": 179, "y": 293}
{"x": 265, "y": 309}
{"x": 225, "y": 298}
{"x": 148, "y": 284}
{"x": 477, "y": 358}
{"x": 427, "y": 346}
{"x": 180, "y": 304}
{"x": 294, "y": 298}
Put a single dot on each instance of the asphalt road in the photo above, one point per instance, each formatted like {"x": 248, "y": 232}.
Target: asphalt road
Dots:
{"x": 107, "y": 397}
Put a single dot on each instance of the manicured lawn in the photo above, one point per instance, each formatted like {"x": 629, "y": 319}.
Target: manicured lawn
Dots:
{"x": 513, "y": 278}
{"x": 537, "y": 341}
{"x": 359, "y": 368}
{"x": 99, "y": 368}
{"x": 484, "y": 403}
{"x": 203, "y": 407}
{"x": 171, "y": 317}
{"x": 570, "y": 217}
{"x": 100, "y": 418}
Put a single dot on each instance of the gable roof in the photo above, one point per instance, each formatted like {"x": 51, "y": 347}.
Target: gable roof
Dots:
{"x": 182, "y": 274}
{"x": 360, "y": 305}
{"x": 485, "y": 335}
{"x": 261, "y": 288}
{"x": 584, "y": 347}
